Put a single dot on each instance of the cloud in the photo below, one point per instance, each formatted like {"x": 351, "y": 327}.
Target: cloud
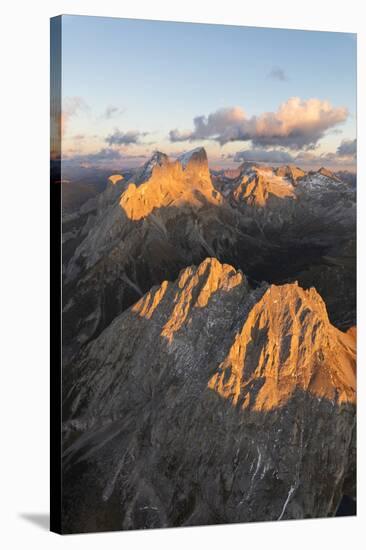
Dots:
{"x": 263, "y": 155}
{"x": 177, "y": 135}
{"x": 131, "y": 137}
{"x": 104, "y": 155}
{"x": 297, "y": 124}
{"x": 111, "y": 111}
{"x": 348, "y": 147}
{"x": 71, "y": 107}
{"x": 223, "y": 125}
{"x": 278, "y": 74}
{"x": 343, "y": 156}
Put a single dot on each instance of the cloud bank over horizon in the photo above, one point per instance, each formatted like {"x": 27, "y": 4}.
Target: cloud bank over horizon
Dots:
{"x": 297, "y": 124}
{"x": 290, "y": 135}
{"x": 345, "y": 155}
{"x": 294, "y": 92}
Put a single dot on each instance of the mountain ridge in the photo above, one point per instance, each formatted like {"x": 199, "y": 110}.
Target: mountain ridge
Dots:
{"x": 172, "y": 448}
{"x": 138, "y": 233}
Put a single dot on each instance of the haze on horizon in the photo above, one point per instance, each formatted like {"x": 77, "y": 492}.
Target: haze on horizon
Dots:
{"x": 130, "y": 87}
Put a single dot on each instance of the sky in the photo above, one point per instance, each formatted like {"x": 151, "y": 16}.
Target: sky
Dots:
{"x": 130, "y": 87}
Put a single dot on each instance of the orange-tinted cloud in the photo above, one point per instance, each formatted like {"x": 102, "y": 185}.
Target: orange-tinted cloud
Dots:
{"x": 71, "y": 106}
{"x": 297, "y": 124}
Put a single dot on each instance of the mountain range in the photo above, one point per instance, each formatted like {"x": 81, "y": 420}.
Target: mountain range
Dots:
{"x": 209, "y": 346}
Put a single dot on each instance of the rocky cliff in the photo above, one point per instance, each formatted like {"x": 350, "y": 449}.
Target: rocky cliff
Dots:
{"x": 207, "y": 402}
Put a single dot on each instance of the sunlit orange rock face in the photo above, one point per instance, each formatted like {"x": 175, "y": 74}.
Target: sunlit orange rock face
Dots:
{"x": 257, "y": 188}
{"x": 237, "y": 402}
{"x": 171, "y": 184}
{"x": 290, "y": 171}
{"x": 196, "y": 287}
{"x": 287, "y": 343}
{"x": 352, "y": 332}
{"x": 115, "y": 178}
{"x": 328, "y": 173}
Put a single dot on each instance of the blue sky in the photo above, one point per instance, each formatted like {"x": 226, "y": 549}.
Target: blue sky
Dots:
{"x": 146, "y": 78}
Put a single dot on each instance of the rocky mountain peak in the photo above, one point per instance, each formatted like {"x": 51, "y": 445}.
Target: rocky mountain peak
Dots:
{"x": 157, "y": 159}
{"x": 248, "y": 393}
{"x": 290, "y": 171}
{"x": 272, "y": 341}
{"x": 197, "y": 155}
{"x": 115, "y": 178}
{"x": 196, "y": 287}
{"x": 287, "y": 344}
{"x": 260, "y": 183}
{"x": 328, "y": 173}
{"x": 179, "y": 184}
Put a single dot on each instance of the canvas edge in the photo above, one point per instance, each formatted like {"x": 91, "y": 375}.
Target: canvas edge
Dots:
{"x": 55, "y": 276}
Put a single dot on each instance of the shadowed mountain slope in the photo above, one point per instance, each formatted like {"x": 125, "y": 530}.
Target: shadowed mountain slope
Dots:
{"x": 243, "y": 412}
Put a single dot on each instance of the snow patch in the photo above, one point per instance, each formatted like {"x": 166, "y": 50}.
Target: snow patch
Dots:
{"x": 185, "y": 158}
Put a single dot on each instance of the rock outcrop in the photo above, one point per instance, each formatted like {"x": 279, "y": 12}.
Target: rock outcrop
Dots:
{"x": 180, "y": 184}
{"x": 207, "y": 402}
{"x": 291, "y": 172}
{"x": 257, "y": 187}
{"x": 144, "y": 173}
{"x": 328, "y": 174}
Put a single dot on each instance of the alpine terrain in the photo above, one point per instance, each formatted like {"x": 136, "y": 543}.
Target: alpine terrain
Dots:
{"x": 209, "y": 346}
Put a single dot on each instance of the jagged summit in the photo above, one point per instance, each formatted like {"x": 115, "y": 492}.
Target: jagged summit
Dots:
{"x": 322, "y": 180}
{"x": 180, "y": 183}
{"x": 258, "y": 184}
{"x": 287, "y": 343}
{"x": 273, "y": 340}
{"x": 328, "y": 173}
{"x": 247, "y": 167}
{"x": 191, "y": 159}
{"x": 157, "y": 159}
{"x": 197, "y": 155}
{"x": 196, "y": 287}
{"x": 253, "y": 184}
{"x": 283, "y": 343}
{"x": 290, "y": 171}
{"x": 115, "y": 178}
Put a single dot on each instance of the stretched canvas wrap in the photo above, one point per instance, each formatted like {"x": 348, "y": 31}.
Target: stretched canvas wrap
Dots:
{"x": 203, "y": 226}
